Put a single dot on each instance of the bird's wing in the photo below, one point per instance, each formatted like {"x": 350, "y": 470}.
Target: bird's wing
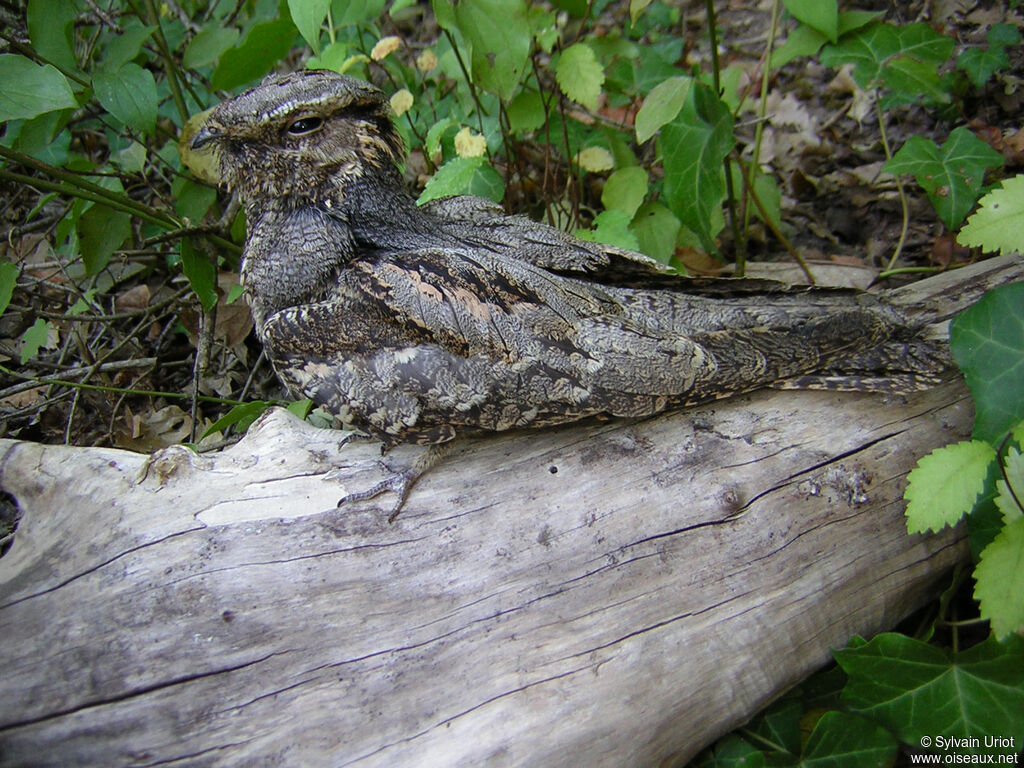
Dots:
{"x": 480, "y": 223}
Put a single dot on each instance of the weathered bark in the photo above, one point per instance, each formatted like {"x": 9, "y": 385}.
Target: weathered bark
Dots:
{"x": 612, "y": 594}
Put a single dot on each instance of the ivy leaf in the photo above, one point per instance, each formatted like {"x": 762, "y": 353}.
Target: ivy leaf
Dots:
{"x": 579, "y": 75}
{"x": 34, "y": 339}
{"x": 265, "y": 45}
{"x": 999, "y": 578}
{"x": 842, "y": 740}
{"x": 823, "y": 17}
{"x": 917, "y": 690}
{"x": 240, "y": 417}
{"x": 998, "y": 224}
{"x": 981, "y": 63}
{"x": 876, "y": 47}
{"x": 661, "y": 106}
{"x": 912, "y": 81}
{"x": 308, "y": 16}
{"x": 945, "y": 485}
{"x": 987, "y": 341}
{"x": 693, "y": 147}
{"x": 129, "y": 94}
{"x": 951, "y": 175}
{"x": 500, "y": 48}
{"x": 8, "y": 278}
{"x": 201, "y": 274}
{"x": 625, "y": 190}
{"x": 31, "y": 90}
{"x": 731, "y": 752}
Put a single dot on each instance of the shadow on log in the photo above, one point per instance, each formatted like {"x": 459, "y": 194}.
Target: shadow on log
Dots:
{"x": 613, "y": 594}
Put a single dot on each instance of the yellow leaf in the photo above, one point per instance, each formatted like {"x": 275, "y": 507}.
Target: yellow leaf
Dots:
{"x": 385, "y": 46}
{"x": 595, "y": 159}
{"x": 426, "y": 61}
{"x": 401, "y": 102}
{"x": 468, "y": 144}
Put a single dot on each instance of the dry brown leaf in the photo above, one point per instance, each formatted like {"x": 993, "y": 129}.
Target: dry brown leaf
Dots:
{"x": 148, "y": 432}
{"x": 133, "y": 299}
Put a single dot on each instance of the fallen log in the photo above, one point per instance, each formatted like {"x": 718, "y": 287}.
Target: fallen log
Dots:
{"x": 606, "y": 594}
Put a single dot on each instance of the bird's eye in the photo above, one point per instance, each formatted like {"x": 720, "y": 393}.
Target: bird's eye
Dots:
{"x": 305, "y": 125}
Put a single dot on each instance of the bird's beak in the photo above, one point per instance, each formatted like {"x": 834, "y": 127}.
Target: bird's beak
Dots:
{"x": 206, "y": 135}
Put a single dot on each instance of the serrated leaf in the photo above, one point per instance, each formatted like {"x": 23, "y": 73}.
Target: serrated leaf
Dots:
{"x": 264, "y": 45}
{"x": 661, "y": 106}
{"x": 34, "y": 339}
{"x": 308, "y": 16}
{"x": 500, "y": 50}
{"x": 987, "y": 341}
{"x": 580, "y": 75}
{"x": 101, "y": 231}
{"x": 945, "y": 485}
{"x": 30, "y": 90}
{"x": 999, "y": 578}
{"x": 129, "y": 94}
{"x": 1010, "y": 496}
{"x": 8, "y": 279}
{"x": 452, "y": 178}
{"x": 208, "y": 45}
{"x": 240, "y": 417}
{"x": 201, "y": 274}
{"x": 469, "y": 144}
{"x": 694, "y": 146}
{"x": 625, "y": 190}
{"x": 820, "y": 15}
{"x": 951, "y": 175}
{"x": 998, "y": 224}
{"x": 401, "y": 101}
{"x": 917, "y": 690}
{"x": 842, "y": 740}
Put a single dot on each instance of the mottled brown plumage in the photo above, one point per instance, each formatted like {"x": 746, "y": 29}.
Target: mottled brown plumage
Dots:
{"x": 421, "y": 323}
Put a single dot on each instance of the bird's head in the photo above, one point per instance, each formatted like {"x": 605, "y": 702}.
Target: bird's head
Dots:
{"x": 300, "y": 137}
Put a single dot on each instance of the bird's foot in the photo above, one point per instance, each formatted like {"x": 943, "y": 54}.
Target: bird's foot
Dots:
{"x": 400, "y": 481}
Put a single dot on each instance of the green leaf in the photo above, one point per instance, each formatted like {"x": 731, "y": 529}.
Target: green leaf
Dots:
{"x": 1010, "y": 494}
{"x": 694, "y": 146}
{"x": 201, "y": 274}
{"x": 30, "y": 90}
{"x": 987, "y": 341}
{"x": 918, "y": 690}
{"x": 452, "y": 178}
{"x": 612, "y": 228}
{"x": 951, "y": 175}
{"x": 51, "y": 28}
{"x": 945, "y": 485}
{"x": 207, "y": 46}
{"x": 500, "y": 50}
{"x": 34, "y": 339}
{"x": 580, "y": 75}
{"x": 264, "y": 45}
{"x": 101, "y": 231}
{"x": 656, "y": 229}
{"x": 309, "y": 16}
{"x": 661, "y": 106}
{"x": 820, "y": 15}
{"x": 240, "y": 417}
{"x": 625, "y": 190}
{"x": 129, "y": 94}
{"x": 841, "y": 740}
{"x": 912, "y": 81}
{"x": 999, "y": 578}
{"x": 526, "y": 112}
{"x": 300, "y": 408}
{"x": 126, "y": 46}
{"x": 998, "y": 224}
{"x": 731, "y": 752}
{"x": 867, "y": 51}
{"x": 8, "y": 278}
{"x": 802, "y": 41}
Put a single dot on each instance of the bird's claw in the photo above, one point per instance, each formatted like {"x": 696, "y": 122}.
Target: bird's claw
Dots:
{"x": 399, "y": 482}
